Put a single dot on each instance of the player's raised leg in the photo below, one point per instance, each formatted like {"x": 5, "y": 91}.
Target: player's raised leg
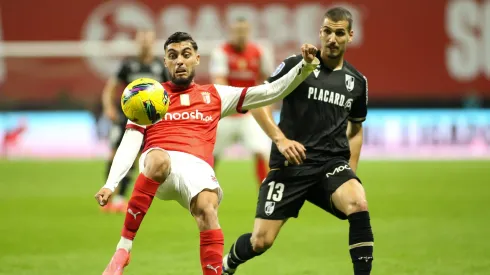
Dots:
{"x": 350, "y": 199}
{"x": 156, "y": 170}
{"x": 341, "y": 193}
{"x": 281, "y": 196}
{"x": 204, "y": 208}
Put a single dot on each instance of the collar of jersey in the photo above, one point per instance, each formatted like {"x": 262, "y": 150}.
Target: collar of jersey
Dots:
{"x": 319, "y": 56}
{"x": 176, "y": 88}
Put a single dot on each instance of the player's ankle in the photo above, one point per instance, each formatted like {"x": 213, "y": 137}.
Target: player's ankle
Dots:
{"x": 125, "y": 244}
{"x": 241, "y": 251}
{"x": 226, "y": 265}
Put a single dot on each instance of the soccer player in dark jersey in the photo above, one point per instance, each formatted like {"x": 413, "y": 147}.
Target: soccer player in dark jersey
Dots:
{"x": 131, "y": 68}
{"x": 316, "y": 150}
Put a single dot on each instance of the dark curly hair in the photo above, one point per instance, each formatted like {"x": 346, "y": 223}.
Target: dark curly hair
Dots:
{"x": 178, "y": 37}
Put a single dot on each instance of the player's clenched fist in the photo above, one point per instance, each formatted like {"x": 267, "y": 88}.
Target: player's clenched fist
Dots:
{"x": 309, "y": 52}
{"x": 103, "y": 196}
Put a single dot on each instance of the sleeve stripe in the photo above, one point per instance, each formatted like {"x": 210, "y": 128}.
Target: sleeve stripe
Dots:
{"x": 357, "y": 119}
{"x": 136, "y": 127}
{"x": 241, "y": 100}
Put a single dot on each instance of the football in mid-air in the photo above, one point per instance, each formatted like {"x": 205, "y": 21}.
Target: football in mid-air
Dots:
{"x": 145, "y": 101}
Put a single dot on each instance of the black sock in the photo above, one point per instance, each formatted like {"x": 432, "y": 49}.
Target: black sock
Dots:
{"x": 361, "y": 242}
{"x": 241, "y": 251}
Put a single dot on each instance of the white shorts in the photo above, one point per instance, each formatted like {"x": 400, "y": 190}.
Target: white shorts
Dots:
{"x": 189, "y": 176}
{"x": 245, "y": 129}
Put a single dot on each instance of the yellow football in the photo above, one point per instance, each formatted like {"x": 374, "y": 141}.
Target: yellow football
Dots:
{"x": 145, "y": 101}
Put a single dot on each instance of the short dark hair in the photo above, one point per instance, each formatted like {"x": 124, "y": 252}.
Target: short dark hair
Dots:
{"x": 178, "y": 37}
{"x": 338, "y": 14}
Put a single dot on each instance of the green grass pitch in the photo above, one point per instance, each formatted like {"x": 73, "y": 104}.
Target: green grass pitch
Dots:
{"x": 428, "y": 218}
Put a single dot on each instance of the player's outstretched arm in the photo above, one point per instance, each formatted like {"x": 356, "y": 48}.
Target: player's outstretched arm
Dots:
{"x": 266, "y": 94}
{"x": 123, "y": 160}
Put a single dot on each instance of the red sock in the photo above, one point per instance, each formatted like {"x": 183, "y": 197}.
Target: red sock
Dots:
{"x": 260, "y": 168}
{"x": 141, "y": 198}
{"x": 212, "y": 243}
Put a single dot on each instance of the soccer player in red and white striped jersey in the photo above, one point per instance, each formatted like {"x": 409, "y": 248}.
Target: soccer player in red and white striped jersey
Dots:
{"x": 177, "y": 159}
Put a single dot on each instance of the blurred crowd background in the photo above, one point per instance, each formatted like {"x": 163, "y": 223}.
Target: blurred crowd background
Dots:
{"x": 427, "y": 64}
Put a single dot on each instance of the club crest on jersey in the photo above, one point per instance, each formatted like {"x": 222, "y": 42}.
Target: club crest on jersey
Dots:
{"x": 269, "y": 207}
{"x": 349, "y": 82}
{"x": 206, "y": 97}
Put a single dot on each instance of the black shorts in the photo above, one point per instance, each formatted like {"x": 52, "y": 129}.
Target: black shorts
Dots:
{"x": 284, "y": 191}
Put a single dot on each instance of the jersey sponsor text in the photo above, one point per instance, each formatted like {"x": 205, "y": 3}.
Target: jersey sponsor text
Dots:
{"x": 326, "y": 96}
{"x": 188, "y": 116}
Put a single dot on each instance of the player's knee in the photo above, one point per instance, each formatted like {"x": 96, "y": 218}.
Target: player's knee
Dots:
{"x": 350, "y": 198}
{"x": 205, "y": 210}
{"x": 157, "y": 165}
{"x": 358, "y": 204}
{"x": 207, "y": 215}
{"x": 262, "y": 242}
{"x": 354, "y": 203}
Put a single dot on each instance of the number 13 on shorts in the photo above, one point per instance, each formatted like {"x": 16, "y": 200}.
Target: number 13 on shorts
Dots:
{"x": 276, "y": 191}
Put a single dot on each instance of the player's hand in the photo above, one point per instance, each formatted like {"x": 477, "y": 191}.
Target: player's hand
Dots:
{"x": 309, "y": 52}
{"x": 103, "y": 196}
{"x": 292, "y": 150}
{"x": 111, "y": 113}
